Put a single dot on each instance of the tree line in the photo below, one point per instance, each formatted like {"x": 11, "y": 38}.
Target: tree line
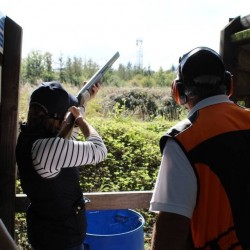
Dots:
{"x": 38, "y": 66}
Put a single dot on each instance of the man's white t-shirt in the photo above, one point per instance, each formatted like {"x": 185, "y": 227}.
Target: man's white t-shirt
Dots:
{"x": 176, "y": 186}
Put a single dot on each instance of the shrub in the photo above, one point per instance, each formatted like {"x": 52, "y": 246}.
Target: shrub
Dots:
{"x": 133, "y": 156}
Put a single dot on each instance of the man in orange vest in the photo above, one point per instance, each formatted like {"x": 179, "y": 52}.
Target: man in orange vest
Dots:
{"x": 202, "y": 191}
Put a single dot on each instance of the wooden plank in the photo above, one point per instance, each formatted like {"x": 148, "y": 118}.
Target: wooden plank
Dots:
{"x": 119, "y": 200}
{"x": 227, "y": 48}
{"x": 242, "y": 84}
{"x": 102, "y": 200}
{"x": 234, "y": 49}
{"x": 8, "y": 121}
{"x": 243, "y": 59}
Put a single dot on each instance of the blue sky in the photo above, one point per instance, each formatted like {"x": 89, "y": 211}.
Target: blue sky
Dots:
{"x": 96, "y": 29}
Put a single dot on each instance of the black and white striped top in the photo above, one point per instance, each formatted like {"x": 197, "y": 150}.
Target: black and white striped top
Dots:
{"x": 49, "y": 155}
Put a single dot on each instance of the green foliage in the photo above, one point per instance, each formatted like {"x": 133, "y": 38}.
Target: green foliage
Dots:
{"x": 133, "y": 156}
{"x": 73, "y": 71}
{"x": 20, "y": 231}
{"x": 48, "y": 74}
{"x": 33, "y": 67}
{"x": 163, "y": 78}
{"x": 89, "y": 69}
{"x": 142, "y": 103}
{"x": 38, "y": 66}
{"x": 138, "y": 102}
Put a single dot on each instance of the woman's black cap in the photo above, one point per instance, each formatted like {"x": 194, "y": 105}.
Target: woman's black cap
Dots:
{"x": 53, "y": 98}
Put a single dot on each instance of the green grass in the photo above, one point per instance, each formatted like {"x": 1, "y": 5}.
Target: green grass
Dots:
{"x": 241, "y": 36}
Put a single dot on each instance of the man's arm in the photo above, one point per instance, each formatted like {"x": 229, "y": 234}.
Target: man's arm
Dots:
{"x": 170, "y": 232}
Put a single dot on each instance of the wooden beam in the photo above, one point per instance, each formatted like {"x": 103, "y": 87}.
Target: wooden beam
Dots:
{"x": 8, "y": 121}
{"x": 227, "y": 48}
{"x": 242, "y": 86}
{"x": 102, "y": 200}
{"x": 119, "y": 200}
{"x": 243, "y": 59}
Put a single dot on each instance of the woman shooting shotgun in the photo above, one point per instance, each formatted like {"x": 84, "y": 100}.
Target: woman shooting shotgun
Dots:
{"x": 48, "y": 166}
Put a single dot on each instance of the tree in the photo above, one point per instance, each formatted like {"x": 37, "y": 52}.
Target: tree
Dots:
{"x": 48, "y": 74}
{"x": 34, "y": 67}
{"x": 77, "y": 71}
{"x": 39, "y": 67}
{"x": 62, "y": 71}
{"x": 173, "y": 68}
{"x": 160, "y": 78}
{"x": 89, "y": 69}
{"x": 23, "y": 71}
{"x": 129, "y": 70}
{"x": 69, "y": 71}
{"x": 121, "y": 72}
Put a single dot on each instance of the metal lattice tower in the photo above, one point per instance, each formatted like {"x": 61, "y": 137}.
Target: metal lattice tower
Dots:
{"x": 139, "y": 53}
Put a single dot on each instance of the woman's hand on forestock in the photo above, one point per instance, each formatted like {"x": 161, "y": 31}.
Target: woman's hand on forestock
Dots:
{"x": 89, "y": 94}
{"x": 75, "y": 112}
{"x": 94, "y": 90}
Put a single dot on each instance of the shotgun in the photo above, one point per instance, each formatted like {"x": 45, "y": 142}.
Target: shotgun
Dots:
{"x": 98, "y": 75}
{"x": 69, "y": 122}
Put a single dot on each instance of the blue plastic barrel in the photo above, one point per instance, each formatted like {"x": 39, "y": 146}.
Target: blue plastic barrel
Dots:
{"x": 114, "y": 230}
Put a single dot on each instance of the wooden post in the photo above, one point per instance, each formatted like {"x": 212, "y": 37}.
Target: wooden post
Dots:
{"x": 228, "y": 51}
{"x": 6, "y": 242}
{"x": 103, "y": 200}
{"x": 235, "y": 52}
{"x": 11, "y": 61}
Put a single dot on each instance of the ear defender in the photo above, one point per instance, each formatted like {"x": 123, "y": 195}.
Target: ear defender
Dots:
{"x": 201, "y": 61}
{"x": 178, "y": 92}
{"x": 228, "y": 79}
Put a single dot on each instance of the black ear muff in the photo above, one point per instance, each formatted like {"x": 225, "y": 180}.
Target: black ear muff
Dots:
{"x": 178, "y": 92}
{"x": 228, "y": 80}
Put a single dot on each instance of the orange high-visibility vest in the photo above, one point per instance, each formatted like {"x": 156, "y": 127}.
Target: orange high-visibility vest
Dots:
{"x": 216, "y": 140}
